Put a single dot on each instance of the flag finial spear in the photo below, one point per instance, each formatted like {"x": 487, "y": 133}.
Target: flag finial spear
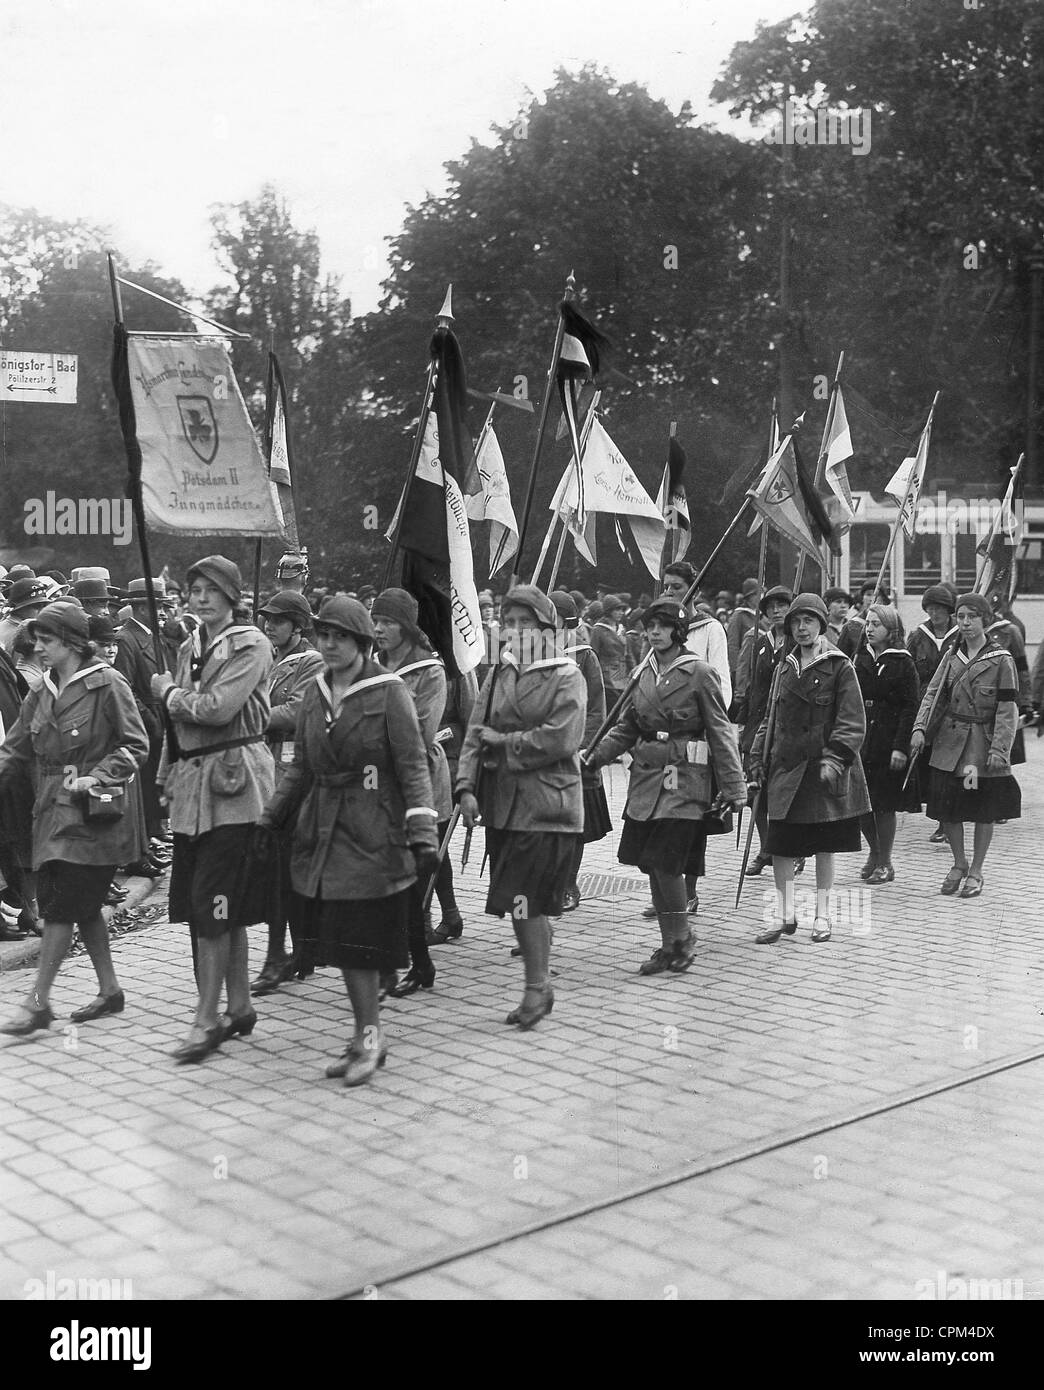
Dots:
{"x": 445, "y": 314}
{"x": 570, "y": 285}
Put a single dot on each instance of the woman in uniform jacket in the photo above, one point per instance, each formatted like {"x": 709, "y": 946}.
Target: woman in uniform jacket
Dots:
{"x": 969, "y": 715}
{"x": 16, "y": 814}
{"x": 891, "y": 695}
{"x": 927, "y": 645}
{"x": 286, "y": 618}
{"x": 358, "y": 794}
{"x": 597, "y": 823}
{"x": 79, "y": 732}
{"x": 520, "y": 769}
{"x": 216, "y": 789}
{"x": 461, "y": 694}
{"x": 754, "y": 671}
{"x": 404, "y": 649}
{"x": 806, "y": 756}
{"x": 678, "y": 728}
{"x": 610, "y": 646}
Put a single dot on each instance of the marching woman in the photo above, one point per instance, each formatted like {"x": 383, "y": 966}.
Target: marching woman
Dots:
{"x": 597, "y": 823}
{"x": 806, "y": 756}
{"x": 757, "y": 663}
{"x": 461, "y": 693}
{"x": 927, "y": 644}
{"x": 287, "y": 618}
{"x": 81, "y": 738}
{"x": 969, "y": 714}
{"x": 520, "y": 768}
{"x": 364, "y": 831}
{"x": 891, "y": 695}
{"x": 404, "y": 649}
{"x": 610, "y": 646}
{"x": 216, "y": 788}
{"x": 678, "y": 728}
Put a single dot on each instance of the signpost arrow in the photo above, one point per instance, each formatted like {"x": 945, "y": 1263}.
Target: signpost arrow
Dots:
{"x": 34, "y": 376}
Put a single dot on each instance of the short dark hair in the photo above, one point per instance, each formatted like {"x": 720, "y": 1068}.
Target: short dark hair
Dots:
{"x": 868, "y": 586}
{"x": 835, "y": 596}
{"x": 682, "y": 568}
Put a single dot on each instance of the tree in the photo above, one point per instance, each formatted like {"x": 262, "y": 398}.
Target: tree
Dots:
{"x": 662, "y": 222}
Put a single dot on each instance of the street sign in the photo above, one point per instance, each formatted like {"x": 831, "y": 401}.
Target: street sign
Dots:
{"x": 44, "y": 377}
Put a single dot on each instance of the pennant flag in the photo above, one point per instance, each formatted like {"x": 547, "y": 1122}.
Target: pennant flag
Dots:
{"x": 578, "y": 361}
{"x": 435, "y": 537}
{"x": 837, "y": 448}
{"x": 785, "y": 498}
{"x": 611, "y": 485}
{"x": 190, "y": 444}
{"x": 1000, "y": 547}
{"x": 279, "y": 455}
{"x": 905, "y": 483}
{"x": 493, "y": 502}
{"x": 773, "y": 446}
{"x": 674, "y": 504}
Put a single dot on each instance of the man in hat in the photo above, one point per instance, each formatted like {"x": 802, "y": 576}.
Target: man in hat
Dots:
{"x": 25, "y": 599}
{"x": 287, "y": 618}
{"x": 92, "y": 596}
{"x": 743, "y": 620}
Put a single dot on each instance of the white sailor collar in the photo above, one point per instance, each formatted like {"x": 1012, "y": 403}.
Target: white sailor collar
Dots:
{"x": 76, "y": 675}
{"x": 926, "y": 628}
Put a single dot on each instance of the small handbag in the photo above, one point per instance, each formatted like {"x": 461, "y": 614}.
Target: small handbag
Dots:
{"x": 101, "y": 804}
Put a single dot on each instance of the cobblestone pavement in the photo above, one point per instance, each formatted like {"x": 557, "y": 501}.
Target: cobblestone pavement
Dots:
{"x": 252, "y": 1176}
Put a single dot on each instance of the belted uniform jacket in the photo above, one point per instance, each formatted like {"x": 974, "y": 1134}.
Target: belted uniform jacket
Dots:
{"x": 678, "y": 728}
{"x": 757, "y": 664}
{"x": 531, "y": 782}
{"x": 461, "y": 694}
{"x": 819, "y": 713}
{"x": 891, "y": 694}
{"x": 425, "y": 679}
{"x": 610, "y": 647}
{"x": 592, "y": 674}
{"x": 227, "y": 700}
{"x": 980, "y": 698}
{"x": 287, "y": 682}
{"x": 360, "y": 788}
{"x": 927, "y": 651}
{"x": 91, "y": 724}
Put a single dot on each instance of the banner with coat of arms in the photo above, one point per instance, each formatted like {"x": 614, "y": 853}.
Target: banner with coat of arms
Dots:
{"x": 202, "y": 472}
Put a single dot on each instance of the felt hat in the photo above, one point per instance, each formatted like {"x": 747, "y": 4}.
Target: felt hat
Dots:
{"x": 222, "y": 573}
{"x": 780, "y": 591}
{"x": 286, "y": 604}
{"x": 398, "y": 606}
{"x": 349, "y": 615}
{"x": 65, "y": 620}
{"x": 538, "y": 603}
{"x": 25, "y": 593}
{"x": 809, "y": 603}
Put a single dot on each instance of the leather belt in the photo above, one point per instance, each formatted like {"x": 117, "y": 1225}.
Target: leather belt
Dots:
{"x": 222, "y": 747}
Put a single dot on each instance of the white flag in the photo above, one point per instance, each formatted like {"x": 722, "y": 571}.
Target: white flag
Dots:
{"x": 905, "y": 483}
{"x": 493, "y": 503}
{"x": 838, "y": 448}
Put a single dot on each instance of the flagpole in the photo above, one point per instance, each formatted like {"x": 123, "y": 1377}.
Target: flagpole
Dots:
{"x": 585, "y": 434}
{"x": 824, "y": 449}
{"x": 912, "y": 482}
{"x": 558, "y": 557}
{"x": 667, "y": 553}
{"x": 269, "y": 409}
{"x": 443, "y": 320}
{"x": 546, "y": 546}
{"x": 694, "y": 587}
{"x": 134, "y": 489}
{"x": 545, "y": 407}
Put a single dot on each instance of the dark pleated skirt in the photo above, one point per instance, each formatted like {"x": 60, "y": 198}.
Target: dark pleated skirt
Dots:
{"x": 885, "y": 788}
{"x": 669, "y": 846}
{"x": 597, "y": 821}
{"x": 357, "y": 933}
{"x": 530, "y": 871}
{"x": 216, "y": 884}
{"x": 72, "y": 892}
{"x": 800, "y": 839}
{"x": 994, "y": 799}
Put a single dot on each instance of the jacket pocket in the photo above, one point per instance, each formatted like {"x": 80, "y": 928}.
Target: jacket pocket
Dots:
{"x": 228, "y": 773}
{"x": 556, "y": 789}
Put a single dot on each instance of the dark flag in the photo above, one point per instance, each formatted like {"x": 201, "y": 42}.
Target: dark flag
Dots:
{"x": 435, "y": 538}
{"x": 674, "y": 504}
{"x": 998, "y": 577}
{"x": 578, "y": 361}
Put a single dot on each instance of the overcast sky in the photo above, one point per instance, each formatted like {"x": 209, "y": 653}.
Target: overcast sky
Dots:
{"x": 141, "y": 114}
